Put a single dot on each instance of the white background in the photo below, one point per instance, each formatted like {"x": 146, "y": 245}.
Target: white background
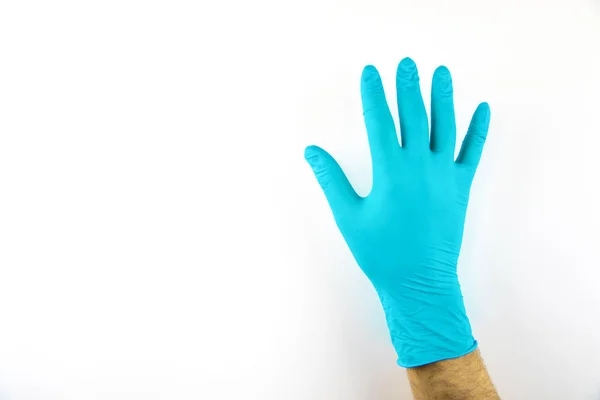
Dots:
{"x": 161, "y": 236}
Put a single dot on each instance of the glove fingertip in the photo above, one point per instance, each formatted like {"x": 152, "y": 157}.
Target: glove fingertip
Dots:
{"x": 311, "y": 154}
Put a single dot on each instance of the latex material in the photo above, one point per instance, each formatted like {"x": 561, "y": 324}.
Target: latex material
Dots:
{"x": 406, "y": 234}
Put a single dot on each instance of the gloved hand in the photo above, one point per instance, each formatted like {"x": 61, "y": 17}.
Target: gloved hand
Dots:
{"x": 406, "y": 234}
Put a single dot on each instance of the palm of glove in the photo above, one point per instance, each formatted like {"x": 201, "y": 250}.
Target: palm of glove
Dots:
{"x": 410, "y": 226}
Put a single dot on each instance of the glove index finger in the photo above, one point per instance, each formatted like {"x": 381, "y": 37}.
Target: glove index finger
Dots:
{"x": 381, "y": 129}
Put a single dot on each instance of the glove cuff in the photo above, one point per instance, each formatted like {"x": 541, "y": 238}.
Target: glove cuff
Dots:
{"x": 423, "y": 333}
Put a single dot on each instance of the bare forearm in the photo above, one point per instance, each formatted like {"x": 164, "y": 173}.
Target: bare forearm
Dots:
{"x": 462, "y": 378}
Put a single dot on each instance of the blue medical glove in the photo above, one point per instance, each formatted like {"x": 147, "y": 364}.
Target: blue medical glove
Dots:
{"x": 406, "y": 234}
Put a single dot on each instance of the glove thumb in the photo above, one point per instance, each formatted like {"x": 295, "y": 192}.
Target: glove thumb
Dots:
{"x": 338, "y": 190}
